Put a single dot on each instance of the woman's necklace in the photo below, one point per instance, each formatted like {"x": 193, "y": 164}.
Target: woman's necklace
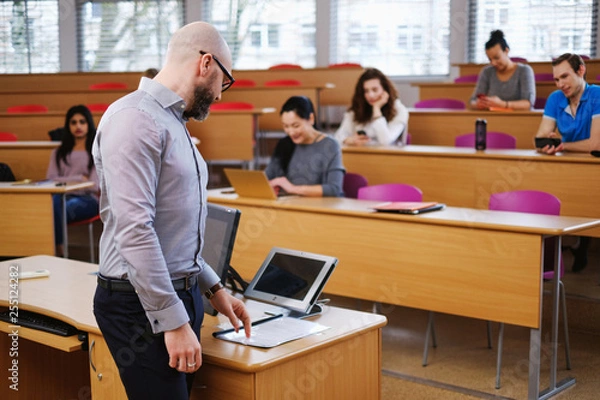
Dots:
{"x": 317, "y": 138}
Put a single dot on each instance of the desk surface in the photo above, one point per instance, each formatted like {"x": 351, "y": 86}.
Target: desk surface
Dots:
{"x": 42, "y": 187}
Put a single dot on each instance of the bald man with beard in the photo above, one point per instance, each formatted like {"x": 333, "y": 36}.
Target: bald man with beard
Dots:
{"x": 148, "y": 302}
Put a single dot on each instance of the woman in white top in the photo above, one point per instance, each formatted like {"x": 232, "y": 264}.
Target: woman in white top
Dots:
{"x": 376, "y": 114}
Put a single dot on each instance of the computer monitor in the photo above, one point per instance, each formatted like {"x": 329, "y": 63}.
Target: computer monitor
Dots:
{"x": 219, "y": 238}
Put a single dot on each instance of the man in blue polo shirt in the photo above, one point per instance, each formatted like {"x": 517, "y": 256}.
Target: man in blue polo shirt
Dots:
{"x": 573, "y": 108}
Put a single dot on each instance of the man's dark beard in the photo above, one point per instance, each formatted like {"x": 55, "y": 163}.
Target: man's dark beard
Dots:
{"x": 200, "y": 108}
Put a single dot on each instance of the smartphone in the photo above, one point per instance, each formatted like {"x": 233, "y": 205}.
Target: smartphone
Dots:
{"x": 543, "y": 142}
{"x": 362, "y": 133}
{"x": 481, "y": 95}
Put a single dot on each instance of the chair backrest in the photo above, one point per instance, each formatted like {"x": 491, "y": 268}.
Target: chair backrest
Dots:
{"x": 518, "y": 59}
{"x": 8, "y": 137}
{"x": 244, "y": 83}
{"x": 390, "y": 192}
{"x": 544, "y": 77}
{"x": 283, "y": 82}
{"x": 532, "y": 202}
{"x": 453, "y": 104}
{"x": 27, "y": 108}
{"x": 353, "y": 182}
{"x": 540, "y": 103}
{"x": 285, "y": 66}
{"x": 6, "y": 174}
{"x": 108, "y": 85}
{"x": 97, "y": 107}
{"x": 584, "y": 57}
{"x": 345, "y": 65}
{"x": 232, "y": 105}
{"x": 494, "y": 140}
{"x": 408, "y": 138}
{"x": 466, "y": 79}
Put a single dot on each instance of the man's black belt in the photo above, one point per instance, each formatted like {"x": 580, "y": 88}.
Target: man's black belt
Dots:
{"x": 120, "y": 285}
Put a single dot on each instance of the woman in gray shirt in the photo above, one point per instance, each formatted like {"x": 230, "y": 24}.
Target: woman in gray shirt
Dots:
{"x": 503, "y": 83}
{"x": 306, "y": 162}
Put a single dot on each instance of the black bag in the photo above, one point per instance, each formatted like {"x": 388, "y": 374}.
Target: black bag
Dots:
{"x": 6, "y": 174}
{"x": 56, "y": 135}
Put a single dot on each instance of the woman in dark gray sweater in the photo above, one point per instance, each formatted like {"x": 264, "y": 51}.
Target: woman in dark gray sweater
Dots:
{"x": 306, "y": 162}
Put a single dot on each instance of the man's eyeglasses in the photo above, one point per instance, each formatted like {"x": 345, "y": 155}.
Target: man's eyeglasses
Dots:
{"x": 230, "y": 81}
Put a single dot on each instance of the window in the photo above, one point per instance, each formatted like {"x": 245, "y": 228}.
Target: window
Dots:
{"x": 125, "y": 35}
{"x": 261, "y": 33}
{"x": 535, "y": 30}
{"x": 29, "y": 36}
{"x": 406, "y": 37}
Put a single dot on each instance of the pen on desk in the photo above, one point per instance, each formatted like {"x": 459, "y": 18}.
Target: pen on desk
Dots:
{"x": 260, "y": 321}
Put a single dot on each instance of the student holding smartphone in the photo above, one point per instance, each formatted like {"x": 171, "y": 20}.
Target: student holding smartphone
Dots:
{"x": 376, "y": 114}
{"x": 504, "y": 83}
{"x": 572, "y": 110}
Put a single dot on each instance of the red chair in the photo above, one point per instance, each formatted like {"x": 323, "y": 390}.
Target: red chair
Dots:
{"x": 345, "y": 65}
{"x": 97, "y": 107}
{"x": 283, "y": 82}
{"x": 8, "y": 137}
{"x": 544, "y": 77}
{"x": 90, "y": 223}
{"x": 533, "y": 202}
{"x": 108, "y": 86}
{"x": 466, "y": 79}
{"x": 352, "y": 183}
{"x": 244, "y": 83}
{"x": 232, "y": 105}
{"x": 452, "y": 104}
{"x": 286, "y": 66}
{"x": 494, "y": 140}
{"x": 390, "y": 192}
{"x": 27, "y": 108}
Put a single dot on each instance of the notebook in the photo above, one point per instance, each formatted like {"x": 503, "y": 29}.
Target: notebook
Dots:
{"x": 250, "y": 183}
{"x": 408, "y": 207}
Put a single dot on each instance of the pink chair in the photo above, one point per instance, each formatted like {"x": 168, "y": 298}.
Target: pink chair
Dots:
{"x": 533, "y": 202}
{"x": 285, "y": 66}
{"x": 540, "y": 103}
{"x": 108, "y": 86}
{"x": 390, "y": 192}
{"x": 27, "y": 108}
{"x": 466, "y": 79}
{"x": 345, "y": 65}
{"x": 283, "y": 82}
{"x": 544, "y": 77}
{"x": 494, "y": 140}
{"x": 244, "y": 83}
{"x": 453, "y": 104}
{"x": 584, "y": 57}
{"x": 8, "y": 137}
{"x": 232, "y": 105}
{"x": 518, "y": 59}
{"x": 352, "y": 183}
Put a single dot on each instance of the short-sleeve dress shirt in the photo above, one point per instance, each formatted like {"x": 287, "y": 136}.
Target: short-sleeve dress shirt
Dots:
{"x": 578, "y": 127}
{"x": 153, "y": 200}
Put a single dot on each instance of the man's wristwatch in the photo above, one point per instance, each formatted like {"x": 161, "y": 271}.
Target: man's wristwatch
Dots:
{"x": 214, "y": 289}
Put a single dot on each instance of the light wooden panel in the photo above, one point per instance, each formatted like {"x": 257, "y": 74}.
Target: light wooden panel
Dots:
{"x": 463, "y": 91}
{"x": 593, "y": 68}
{"x": 60, "y": 101}
{"x": 28, "y": 160}
{"x": 440, "y": 127}
{"x": 64, "y": 81}
{"x": 35, "y": 126}
{"x": 105, "y": 380}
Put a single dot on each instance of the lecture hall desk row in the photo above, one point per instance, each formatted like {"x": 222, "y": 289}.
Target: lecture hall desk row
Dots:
{"x": 464, "y": 177}
{"x": 440, "y": 126}
{"x": 593, "y": 67}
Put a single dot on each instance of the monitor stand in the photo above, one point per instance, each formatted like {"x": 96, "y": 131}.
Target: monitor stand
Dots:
{"x": 316, "y": 309}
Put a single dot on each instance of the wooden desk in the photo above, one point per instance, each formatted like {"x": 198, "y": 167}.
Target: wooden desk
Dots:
{"x": 463, "y": 91}
{"x": 274, "y": 97}
{"x": 35, "y": 126}
{"x": 342, "y": 361}
{"x": 593, "y": 67}
{"x": 28, "y": 219}
{"x": 64, "y": 81}
{"x": 61, "y": 101}
{"x": 27, "y": 160}
{"x": 438, "y": 261}
{"x": 228, "y": 134}
{"x": 464, "y": 177}
{"x": 440, "y": 127}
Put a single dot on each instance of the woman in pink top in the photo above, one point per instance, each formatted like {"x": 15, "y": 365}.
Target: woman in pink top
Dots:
{"x": 72, "y": 162}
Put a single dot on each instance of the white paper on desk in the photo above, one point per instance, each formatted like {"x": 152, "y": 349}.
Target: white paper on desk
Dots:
{"x": 275, "y": 332}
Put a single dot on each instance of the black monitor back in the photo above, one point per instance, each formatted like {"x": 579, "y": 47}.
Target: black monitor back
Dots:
{"x": 219, "y": 238}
